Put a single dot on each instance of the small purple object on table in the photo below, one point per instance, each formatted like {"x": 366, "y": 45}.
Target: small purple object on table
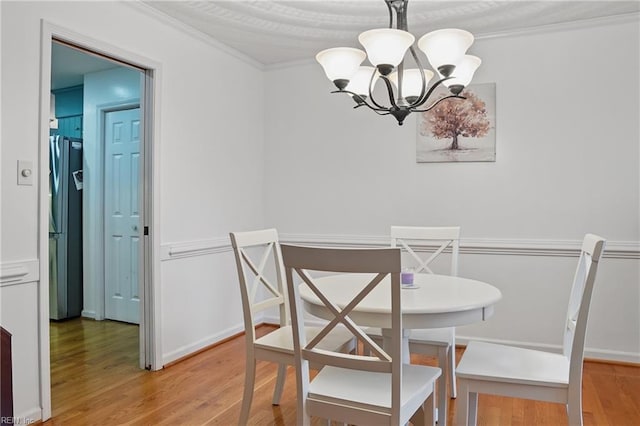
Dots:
{"x": 406, "y": 278}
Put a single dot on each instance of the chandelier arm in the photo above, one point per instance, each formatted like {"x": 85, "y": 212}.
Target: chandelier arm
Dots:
{"x": 436, "y": 103}
{"x": 426, "y": 96}
{"x": 361, "y": 101}
{"x": 374, "y": 110}
{"x": 390, "y": 90}
{"x": 424, "y": 80}
{"x": 371, "y": 97}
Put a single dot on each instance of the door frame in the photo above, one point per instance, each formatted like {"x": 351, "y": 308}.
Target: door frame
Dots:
{"x": 150, "y": 324}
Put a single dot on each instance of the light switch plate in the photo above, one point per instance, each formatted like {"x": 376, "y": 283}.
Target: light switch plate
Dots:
{"x": 25, "y": 172}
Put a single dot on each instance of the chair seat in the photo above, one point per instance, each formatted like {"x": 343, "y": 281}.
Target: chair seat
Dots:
{"x": 372, "y": 390}
{"x": 281, "y": 339}
{"x": 500, "y": 363}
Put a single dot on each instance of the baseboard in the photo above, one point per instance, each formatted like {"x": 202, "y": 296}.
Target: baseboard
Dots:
{"x": 187, "y": 350}
{"x": 217, "y": 343}
{"x": 88, "y": 314}
{"x": 27, "y": 417}
{"x": 591, "y": 354}
{"x": 203, "y": 349}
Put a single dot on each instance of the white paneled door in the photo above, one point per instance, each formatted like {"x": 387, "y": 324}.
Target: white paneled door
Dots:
{"x": 122, "y": 215}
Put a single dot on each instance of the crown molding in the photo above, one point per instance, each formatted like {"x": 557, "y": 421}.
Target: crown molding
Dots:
{"x": 540, "y": 29}
{"x": 563, "y": 26}
{"x": 192, "y": 32}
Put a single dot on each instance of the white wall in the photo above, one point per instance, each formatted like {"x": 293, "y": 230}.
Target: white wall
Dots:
{"x": 567, "y": 164}
{"x": 211, "y": 150}
{"x": 326, "y": 172}
{"x": 566, "y": 137}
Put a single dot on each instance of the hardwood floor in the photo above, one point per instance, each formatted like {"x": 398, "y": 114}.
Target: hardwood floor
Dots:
{"x": 96, "y": 381}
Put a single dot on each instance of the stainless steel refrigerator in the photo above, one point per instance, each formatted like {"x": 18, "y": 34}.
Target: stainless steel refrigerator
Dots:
{"x": 65, "y": 227}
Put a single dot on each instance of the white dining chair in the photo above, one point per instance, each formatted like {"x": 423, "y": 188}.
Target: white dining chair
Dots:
{"x": 355, "y": 389}
{"x": 262, "y": 288}
{"x": 439, "y": 342}
{"x": 532, "y": 374}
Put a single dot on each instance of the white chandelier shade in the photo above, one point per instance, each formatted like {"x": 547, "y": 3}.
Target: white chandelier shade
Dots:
{"x": 445, "y": 47}
{"x": 340, "y": 63}
{"x": 386, "y": 46}
{"x": 407, "y": 89}
{"x": 411, "y": 81}
{"x": 361, "y": 81}
{"x": 464, "y": 71}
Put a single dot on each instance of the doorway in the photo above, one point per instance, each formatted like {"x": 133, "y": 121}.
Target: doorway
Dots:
{"x": 99, "y": 118}
{"x": 94, "y": 172}
{"x": 95, "y": 106}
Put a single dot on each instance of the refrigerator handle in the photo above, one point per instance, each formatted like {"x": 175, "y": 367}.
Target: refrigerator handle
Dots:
{"x": 56, "y": 195}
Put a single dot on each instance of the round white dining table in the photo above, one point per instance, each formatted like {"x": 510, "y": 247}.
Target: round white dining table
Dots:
{"x": 434, "y": 301}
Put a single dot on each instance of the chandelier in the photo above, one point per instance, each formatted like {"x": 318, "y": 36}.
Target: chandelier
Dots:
{"x": 407, "y": 89}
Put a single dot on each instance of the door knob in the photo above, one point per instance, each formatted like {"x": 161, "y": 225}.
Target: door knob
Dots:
{"x": 135, "y": 228}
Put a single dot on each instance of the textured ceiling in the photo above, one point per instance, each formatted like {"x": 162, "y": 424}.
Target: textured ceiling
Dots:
{"x": 274, "y": 32}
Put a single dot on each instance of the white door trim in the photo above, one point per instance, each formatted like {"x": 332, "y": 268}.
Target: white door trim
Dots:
{"x": 99, "y": 210}
{"x": 150, "y": 325}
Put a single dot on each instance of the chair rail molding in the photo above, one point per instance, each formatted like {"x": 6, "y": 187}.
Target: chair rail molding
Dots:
{"x": 19, "y": 272}
{"x": 493, "y": 246}
{"x": 171, "y": 251}
{"x": 523, "y": 247}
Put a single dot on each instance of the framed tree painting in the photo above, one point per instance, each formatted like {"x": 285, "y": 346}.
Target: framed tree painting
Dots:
{"x": 459, "y": 130}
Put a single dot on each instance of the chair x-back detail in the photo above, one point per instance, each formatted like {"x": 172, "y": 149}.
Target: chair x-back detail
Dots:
{"x": 352, "y": 388}
{"x": 449, "y": 236}
{"x": 532, "y": 374}
{"x": 260, "y": 293}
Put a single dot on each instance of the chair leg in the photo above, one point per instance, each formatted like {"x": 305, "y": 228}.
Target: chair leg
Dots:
{"x": 249, "y": 382}
{"x": 424, "y": 416}
{"x": 473, "y": 408}
{"x": 277, "y": 392}
{"x": 574, "y": 408}
{"x": 441, "y": 384}
{"x": 429, "y": 410}
{"x": 452, "y": 367}
{"x": 462, "y": 405}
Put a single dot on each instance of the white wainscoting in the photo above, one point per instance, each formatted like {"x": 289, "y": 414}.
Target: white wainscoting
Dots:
{"x": 533, "y": 275}
{"x": 19, "y": 282}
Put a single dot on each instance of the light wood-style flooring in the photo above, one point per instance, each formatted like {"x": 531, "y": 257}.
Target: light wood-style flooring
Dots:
{"x": 96, "y": 381}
